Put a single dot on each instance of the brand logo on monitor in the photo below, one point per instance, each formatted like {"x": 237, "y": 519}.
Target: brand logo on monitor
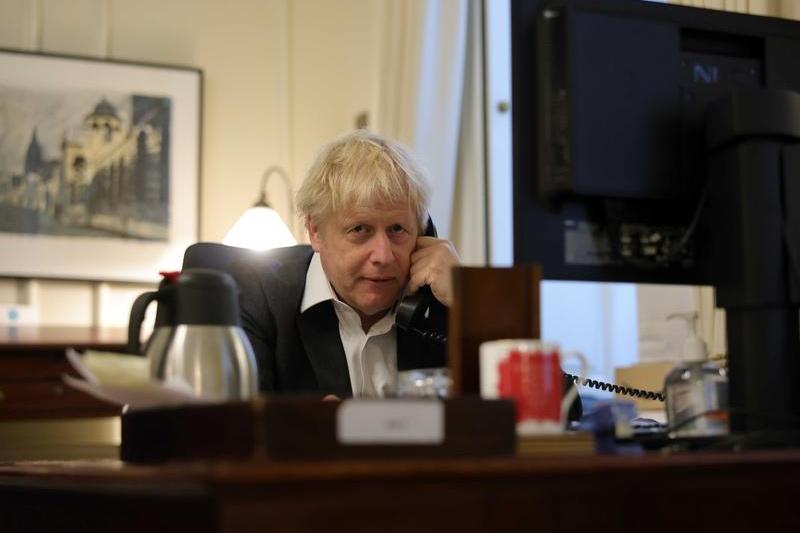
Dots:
{"x": 706, "y": 74}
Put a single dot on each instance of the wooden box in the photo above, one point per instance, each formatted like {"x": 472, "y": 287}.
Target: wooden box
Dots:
{"x": 284, "y": 428}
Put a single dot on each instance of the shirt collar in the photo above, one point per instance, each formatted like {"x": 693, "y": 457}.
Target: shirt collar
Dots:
{"x": 318, "y": 288}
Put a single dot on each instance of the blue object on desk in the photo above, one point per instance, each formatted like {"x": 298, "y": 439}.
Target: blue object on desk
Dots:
{"x": 609, "y": 421}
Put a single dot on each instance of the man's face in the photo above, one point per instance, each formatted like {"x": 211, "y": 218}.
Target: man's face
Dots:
{"x": 366, "y": 253}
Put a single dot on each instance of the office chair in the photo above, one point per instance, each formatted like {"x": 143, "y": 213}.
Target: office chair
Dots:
{"x": 214, "y": 255}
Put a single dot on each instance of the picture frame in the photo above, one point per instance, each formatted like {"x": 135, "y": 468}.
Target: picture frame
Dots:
{"x": 99, "y": 166}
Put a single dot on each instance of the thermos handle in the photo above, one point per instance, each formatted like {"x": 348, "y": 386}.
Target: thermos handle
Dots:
{"x": 137, "y": 317}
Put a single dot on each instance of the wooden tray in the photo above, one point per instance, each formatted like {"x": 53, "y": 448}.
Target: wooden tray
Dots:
{"x": 282, "y": 428}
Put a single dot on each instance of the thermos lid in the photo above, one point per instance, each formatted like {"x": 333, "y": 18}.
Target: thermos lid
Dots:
{"x": 206, "y": 278}
{"x": 169, "y": 276}
{"x": 207, "y": 297}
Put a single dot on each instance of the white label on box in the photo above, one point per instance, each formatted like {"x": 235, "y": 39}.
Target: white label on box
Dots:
{"x": 390, "y": 422}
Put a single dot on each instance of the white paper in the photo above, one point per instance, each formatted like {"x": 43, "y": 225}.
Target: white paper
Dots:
{"x": 390, "y": 422}
{"x": 124, "y": 379}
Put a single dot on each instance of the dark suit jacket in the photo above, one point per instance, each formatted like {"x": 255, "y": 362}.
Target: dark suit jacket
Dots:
{"x": 303, "y": 352}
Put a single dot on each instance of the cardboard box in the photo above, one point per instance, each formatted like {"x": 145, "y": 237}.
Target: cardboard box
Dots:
{"x": 649, "y": 376}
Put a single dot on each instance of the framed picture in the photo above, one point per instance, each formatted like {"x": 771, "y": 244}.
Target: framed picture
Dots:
{"x": 99, "y": 167}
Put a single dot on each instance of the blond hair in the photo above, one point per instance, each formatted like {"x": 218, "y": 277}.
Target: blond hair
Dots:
{"x": 362, "y": 169}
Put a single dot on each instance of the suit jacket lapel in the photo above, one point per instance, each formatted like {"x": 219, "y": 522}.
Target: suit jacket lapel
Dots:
{"x": 319, "y": 332}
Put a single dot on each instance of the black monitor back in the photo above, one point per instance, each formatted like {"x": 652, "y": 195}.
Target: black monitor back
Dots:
{"x": 609, "y": 103}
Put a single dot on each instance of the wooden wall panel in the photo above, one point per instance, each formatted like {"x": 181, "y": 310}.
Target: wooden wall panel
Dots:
{"x": 18, "y": 24}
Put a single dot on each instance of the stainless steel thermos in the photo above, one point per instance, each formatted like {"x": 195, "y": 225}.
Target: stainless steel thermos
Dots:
{"x": 197, "y": 342}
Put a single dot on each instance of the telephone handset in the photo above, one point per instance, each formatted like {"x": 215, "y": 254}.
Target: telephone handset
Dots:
{"x": 411, "y": 310}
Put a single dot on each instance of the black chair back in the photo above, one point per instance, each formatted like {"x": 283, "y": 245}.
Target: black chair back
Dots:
{"x": 214, "y": 255}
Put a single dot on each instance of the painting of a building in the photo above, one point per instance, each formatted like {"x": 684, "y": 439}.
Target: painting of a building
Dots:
{"x": 105, "y": 174}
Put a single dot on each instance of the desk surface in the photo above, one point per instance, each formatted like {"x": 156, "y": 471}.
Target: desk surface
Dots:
{"x": 699, "y": 492}
{"x": 229, "y": 473}
{"x": 752, "y": 491}
{"x": 16, "y": 339}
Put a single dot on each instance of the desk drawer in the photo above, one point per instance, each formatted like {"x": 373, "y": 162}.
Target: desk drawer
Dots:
{"x": 34, "y": 366}
{"x": 47, "y": 399}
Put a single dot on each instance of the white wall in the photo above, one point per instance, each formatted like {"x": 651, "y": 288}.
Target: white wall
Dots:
{"x": 280, "y": 77}
{"x": 333, "y": 72}
{"x": 661, "y": 339}
{"x": 597, "y": 319}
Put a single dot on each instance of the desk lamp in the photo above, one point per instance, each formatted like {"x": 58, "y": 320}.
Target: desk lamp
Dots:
{"x": 261, "y": 227}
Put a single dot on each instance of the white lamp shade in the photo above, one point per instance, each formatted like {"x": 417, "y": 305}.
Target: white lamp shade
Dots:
{"x": 259, "y": 228}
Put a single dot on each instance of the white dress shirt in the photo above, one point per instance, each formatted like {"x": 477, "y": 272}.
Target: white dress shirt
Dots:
{"x": 372, "y": 356}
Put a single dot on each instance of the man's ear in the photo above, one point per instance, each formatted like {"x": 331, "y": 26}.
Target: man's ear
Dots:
{"x": 313, "y": 234}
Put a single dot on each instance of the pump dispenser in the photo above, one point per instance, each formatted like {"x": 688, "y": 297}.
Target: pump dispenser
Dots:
{"x": 696, "y": 389}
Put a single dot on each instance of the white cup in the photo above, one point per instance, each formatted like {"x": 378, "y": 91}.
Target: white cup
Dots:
{"x": 529, "y": 372}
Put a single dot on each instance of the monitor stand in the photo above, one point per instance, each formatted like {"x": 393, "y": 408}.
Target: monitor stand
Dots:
{"x": 754, "y": 168}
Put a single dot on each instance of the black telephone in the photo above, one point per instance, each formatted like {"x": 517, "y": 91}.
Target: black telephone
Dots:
{"x": 412, "y": 309}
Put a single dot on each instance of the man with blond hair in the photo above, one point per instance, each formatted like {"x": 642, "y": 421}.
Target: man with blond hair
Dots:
{"x": 321, "y": 318}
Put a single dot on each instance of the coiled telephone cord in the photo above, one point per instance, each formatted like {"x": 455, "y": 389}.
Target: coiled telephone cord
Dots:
{"x": 627, "y": 391}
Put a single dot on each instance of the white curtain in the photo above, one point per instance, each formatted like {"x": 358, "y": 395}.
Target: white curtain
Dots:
{"x": 468, "y": 230}
{"x": 402, "y": 26}
{"x": 425, "y": 85}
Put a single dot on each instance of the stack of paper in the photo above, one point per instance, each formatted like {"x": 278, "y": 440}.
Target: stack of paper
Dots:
{"x": 125, "y": 380}
{"x": 581, "y": 443}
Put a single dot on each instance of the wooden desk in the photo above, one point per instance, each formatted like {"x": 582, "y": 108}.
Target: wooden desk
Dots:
{"x": 32, "y": 361}
{"x": 753, "y": 491}
{"x": 55, "y": 339}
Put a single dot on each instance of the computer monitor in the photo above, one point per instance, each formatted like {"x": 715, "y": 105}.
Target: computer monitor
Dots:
{"x": 656, "y": 143}
{"x": 608, "y": 127}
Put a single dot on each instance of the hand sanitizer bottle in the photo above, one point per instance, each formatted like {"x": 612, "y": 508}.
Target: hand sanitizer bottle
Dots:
{"x": 696, "y": 389}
